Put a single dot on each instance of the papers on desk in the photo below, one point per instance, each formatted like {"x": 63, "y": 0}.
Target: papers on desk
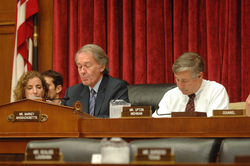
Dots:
{"x": 34, "y": 97}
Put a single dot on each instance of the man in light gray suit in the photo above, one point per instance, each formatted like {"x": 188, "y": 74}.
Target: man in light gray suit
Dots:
{"x": 92, "y": 63}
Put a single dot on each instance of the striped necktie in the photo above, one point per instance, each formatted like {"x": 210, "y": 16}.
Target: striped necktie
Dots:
{"x": 190, "y": 104}
{"x": 92, "y": 102}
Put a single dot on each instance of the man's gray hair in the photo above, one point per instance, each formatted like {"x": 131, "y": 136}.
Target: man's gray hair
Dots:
{"x": 98, "y": 53}
{"x": 189, "y": 61}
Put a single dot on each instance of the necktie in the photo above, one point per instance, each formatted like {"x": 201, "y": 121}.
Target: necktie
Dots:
{"x": 92, "y": 102}
{"x": 190, "y": 104}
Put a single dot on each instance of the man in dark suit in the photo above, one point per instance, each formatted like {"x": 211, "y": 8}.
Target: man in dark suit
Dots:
{"x": 97, "y": 87}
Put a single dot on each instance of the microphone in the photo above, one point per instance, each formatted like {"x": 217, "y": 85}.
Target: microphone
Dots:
{"x": 64, "y": 98}
{"x": 156, "y": 110}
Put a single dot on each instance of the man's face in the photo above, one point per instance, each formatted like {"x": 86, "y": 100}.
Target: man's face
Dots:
{"x": 34, "y": 87}
{"x": 186, "y": 83}
{"x": 52, "y": 89}
{"x": 88, "y": 68}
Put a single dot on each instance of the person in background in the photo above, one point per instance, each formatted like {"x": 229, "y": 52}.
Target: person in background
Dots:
{"x": 55, "y": 82}
{"x": 97, "y": 88}
{"x": 205, "y": 95}
{"x": 31, "y": 84}
{"x": 248, "y": 106}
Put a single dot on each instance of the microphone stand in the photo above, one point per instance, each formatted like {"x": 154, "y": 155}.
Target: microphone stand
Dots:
{"x": 156, "y": 110}
{"x": 64, "y": 98}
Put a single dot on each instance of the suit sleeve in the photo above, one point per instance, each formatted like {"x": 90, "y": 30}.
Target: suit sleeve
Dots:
{"x": 122, "y": 92}
{"x": 116, "y": 90}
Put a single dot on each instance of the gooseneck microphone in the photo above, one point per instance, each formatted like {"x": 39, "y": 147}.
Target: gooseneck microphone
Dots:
{"x": 156, "y": 110}
{"x": 64, "y": 98}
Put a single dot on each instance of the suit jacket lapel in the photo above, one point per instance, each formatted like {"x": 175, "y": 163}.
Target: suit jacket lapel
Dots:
{"x": 101, "y": 95}
{"x": 84, "y": 99}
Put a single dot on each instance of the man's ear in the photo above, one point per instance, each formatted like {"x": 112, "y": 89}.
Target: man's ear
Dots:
{"x": 59, "y": 89}
{"x": 102, "y": 68}
{"x": 200, "y": 75}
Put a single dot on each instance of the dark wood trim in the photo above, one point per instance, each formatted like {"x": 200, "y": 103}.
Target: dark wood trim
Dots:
{"x": 45, "y": 35}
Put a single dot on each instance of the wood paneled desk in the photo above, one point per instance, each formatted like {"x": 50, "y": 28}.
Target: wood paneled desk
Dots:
{"x": 213, "y": 127}
{"x": 131, "y": 129}
{"x": 14, "y": 136}
{"x": 88, "y": 164}
{"x": 63, "y": 123}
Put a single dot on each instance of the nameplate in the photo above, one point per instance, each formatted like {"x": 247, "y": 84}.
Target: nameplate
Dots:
{"x": 154, "y": 154}
{"x": 136, "y": 112}
{"x": 26, "y": 116}
{"x": 43, "y": 154}
{"x": 188, "y": 114}
{"x": 229, "y": 113}
{"x": 242, "y": 159}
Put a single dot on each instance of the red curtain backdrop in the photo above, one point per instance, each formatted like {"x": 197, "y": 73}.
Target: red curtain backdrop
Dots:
{"x": 143, "y": 38}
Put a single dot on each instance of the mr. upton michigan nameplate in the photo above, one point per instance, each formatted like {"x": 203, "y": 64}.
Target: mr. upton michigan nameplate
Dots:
{"x": 136, "y": 111}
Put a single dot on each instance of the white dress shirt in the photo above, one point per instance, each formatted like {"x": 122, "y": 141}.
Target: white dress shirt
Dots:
{"x": 210, "y": 96}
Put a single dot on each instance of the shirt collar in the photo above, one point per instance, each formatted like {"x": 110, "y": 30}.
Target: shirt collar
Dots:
{"x": 97, "y": 85}
{"x": 197, "y": 93}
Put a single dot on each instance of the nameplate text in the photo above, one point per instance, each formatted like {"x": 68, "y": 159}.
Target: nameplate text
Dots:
{"x": 137, "y": 111}
{"x": 43, "y": 154}
{"x": 26, "y": 116}
{"x": 229, "y": 112}
{"x": 154, "y": 154}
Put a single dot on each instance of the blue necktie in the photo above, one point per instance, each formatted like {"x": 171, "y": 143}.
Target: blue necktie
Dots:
{"x": 92, "y": 102}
